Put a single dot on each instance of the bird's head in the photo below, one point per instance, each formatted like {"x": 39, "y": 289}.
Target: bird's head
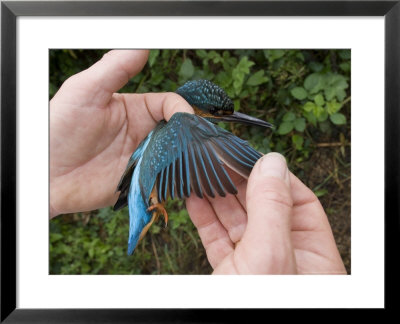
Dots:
{"x": 210, "y": 101}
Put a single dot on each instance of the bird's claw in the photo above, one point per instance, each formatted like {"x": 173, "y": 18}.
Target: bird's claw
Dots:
{"x": 161, "y": 210}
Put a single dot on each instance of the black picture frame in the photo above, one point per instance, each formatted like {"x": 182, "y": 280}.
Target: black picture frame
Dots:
{"x": 10, "y": 10}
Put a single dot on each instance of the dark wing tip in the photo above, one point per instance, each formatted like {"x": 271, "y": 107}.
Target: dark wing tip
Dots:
{"x": 121, "y": 202}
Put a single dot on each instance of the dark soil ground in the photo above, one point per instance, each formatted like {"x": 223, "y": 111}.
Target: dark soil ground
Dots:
{"x": 329, "y": 166}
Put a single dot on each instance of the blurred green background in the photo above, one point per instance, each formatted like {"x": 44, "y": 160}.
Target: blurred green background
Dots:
{"x": 304, "y": 93}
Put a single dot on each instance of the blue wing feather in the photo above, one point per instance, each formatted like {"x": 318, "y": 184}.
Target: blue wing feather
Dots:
{"x": 187, "y": 153}
{"x": 124, "y": 183}
{"x": 229, "y": 153}
{"x": 139, "y": 217}
{"x": 172, "y": 180}
{"x": 179, "y": 178}
{"x": 160, "y": 185}
{"x": 195, "y": 148}
{"x": 216, "y": 182}
{"x": 166, "y": 176}
{"x": 204, "y": 177}
{"x": 194, "y": 173}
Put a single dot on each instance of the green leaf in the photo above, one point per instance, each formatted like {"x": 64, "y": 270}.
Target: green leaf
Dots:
{"x": 237, "y": 82}
{"x": 320, "y": 192}
{"x": 299, "y": 93}
{"x": 244, "y": 65}
{"x": 333, "y": 107}
{"x": 52, "y": 89}
{"x": 319, "y": 99}
{"x": 54, "y": 237}
{"x": 316, "y": 66}
{"x": 298, "y": 141}
{"x": 289, "y": 116}
{"x": 300, "y": 124}
{"x": 340, "y": 94}
{"x": 273, "y": 54}
{"x": 239, "y": 72}
{"x": 236, "y": 104}
{"x": 257, "y": 79}
{"x": 217, "y": 58}
{"x": 323, "y": 115}
{"x": 153, "y": 56}
{"x": 345, "y": 66}
{"x": 187, "y": 69}
{"x": 338, "y": 119}
{"x": 285, "y": 128}
{"x": 201, "y": 53}
{"x": 310, "y": 117}
{"x": 330, "y": 93}
{"x": 337, "y": 80}
{"x": 223, "y": 79}
{"x": 91, "y": 252}
{"x": 318, "y": 111}
{"x": 335, "y": 86}
{"x": 345, "y": 54}
{"x": 156, "y": 78}
{"x": 309, "y": 106}
{"x": 300, "y": 56}
{"x": 313, "y": 83}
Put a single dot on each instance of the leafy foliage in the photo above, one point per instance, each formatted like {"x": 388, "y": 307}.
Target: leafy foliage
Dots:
{"x": 304, "y": 93}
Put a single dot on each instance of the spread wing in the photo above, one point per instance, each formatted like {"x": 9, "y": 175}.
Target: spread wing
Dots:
{"x": 189, "y": 154}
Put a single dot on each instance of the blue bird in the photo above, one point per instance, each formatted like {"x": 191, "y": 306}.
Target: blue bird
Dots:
{"x": 184, "y": 155}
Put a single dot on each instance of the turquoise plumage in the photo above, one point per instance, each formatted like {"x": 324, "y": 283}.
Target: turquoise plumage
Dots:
{"x": 187, "y": 154}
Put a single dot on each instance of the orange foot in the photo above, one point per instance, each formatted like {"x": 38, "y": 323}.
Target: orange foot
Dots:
{"x": 161, "y": 210}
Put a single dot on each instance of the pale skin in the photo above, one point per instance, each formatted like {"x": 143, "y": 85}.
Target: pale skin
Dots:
{"x": 275, "y": 225}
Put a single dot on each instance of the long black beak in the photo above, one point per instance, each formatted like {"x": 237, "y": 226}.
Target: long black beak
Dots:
{"x": 238, "y": 117}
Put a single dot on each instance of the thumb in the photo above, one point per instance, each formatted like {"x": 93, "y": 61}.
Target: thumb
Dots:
{"x": 108, "y": 75}
{"x": 269, "y": 208}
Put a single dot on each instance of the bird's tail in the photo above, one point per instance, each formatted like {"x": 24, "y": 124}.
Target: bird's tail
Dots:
{"x": 139, "y": 218}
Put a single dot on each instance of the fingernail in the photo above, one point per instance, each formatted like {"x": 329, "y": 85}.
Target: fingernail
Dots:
{"x": 274, "y": 165}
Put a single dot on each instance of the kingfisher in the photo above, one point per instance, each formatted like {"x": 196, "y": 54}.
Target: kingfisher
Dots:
{"x": 188, "y": 154}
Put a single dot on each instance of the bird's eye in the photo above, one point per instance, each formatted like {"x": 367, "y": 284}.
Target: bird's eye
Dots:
{"x": 212, "y": 110}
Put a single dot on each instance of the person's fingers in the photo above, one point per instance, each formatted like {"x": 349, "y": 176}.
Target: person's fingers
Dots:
{"x": 231, "y": 215}
{"x": 310, "y": 220}
{"x": 266, "y": 245}
{"x": 301, "y": 194}
{"x": 305, "y": 202}
{"x": 230, "y": 209}
{"x": 144, "y": 111}
{"x": 310, "y": 224}
{"x": 164, "y": 105}
{"x": 96, "y": 85}
{"x": 154, "y": 107}
{"x": 213, "y": 235}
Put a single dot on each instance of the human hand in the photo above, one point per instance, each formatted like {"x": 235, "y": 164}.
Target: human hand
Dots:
{"x": 275, "y": 225}
{"x": 93, "y": 131}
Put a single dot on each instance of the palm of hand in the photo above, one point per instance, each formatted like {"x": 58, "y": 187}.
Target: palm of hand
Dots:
{"x": 94, "y": 131}
{"x": 104, "y": 138}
